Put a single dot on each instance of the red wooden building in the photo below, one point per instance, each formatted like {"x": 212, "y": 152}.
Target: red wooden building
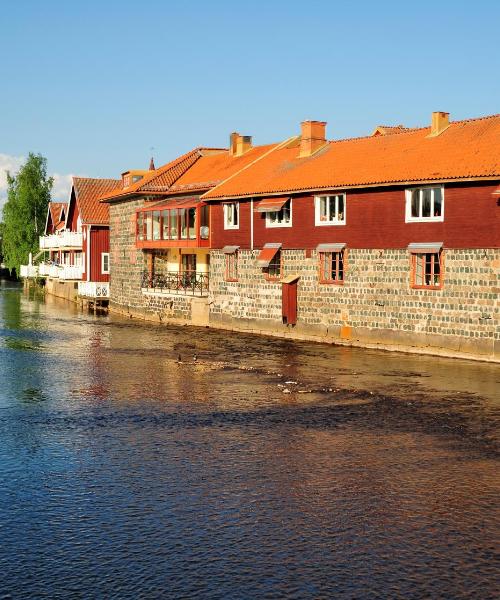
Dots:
{"x": 349, "y": 223}
{"x": 76, "y": 242}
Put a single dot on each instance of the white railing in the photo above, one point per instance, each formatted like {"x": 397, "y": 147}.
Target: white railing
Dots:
{"x": 47, "y": 270}
{"x": 93, "y": 289}
{"x": 29, "y": 270}
{"x": 70, "y": 272}
{"x": 64, "y": 239}
{"x": 61, "y": 271}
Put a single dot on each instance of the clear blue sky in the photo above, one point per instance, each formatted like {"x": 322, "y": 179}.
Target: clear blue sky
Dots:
{"x": 93, "y": 85}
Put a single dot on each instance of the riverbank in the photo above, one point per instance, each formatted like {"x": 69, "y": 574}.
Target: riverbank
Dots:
{"x": 457, "y": 348}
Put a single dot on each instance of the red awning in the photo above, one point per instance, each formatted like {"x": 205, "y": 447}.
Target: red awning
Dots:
{"x": 270, "y": 205}
{"x": 267, "y": 254}
{"x": 173, "y": 203}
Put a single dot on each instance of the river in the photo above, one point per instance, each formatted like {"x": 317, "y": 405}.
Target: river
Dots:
{"x": 146, "y": 461}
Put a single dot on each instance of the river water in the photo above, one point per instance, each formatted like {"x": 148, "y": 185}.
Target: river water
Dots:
{"x": 145, "y": 461}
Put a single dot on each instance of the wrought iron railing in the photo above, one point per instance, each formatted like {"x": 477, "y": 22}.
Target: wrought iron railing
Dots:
{"x": 175, "y": 282}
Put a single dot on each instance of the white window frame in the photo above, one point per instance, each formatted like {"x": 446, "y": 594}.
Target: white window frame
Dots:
{"x": 335, "y": 221}
{"x": 270, "y": 224}
{"x": 431, "y": 219}
{"x": 234, "y": 207}
{"x": 103, "y": 271}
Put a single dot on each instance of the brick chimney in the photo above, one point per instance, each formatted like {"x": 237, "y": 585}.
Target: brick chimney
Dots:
{"x": 440, "y": 121}
{"x": 312, "y": 138}
{"x": 239, "y": 144}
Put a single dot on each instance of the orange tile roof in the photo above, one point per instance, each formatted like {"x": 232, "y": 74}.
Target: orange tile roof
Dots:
{"x": 87, "y": 193}
{"x": 55, "y": 213}
{"x": 156, "y": 181}
{"x": 465, "y": 150}
{"x": 212, "y": 169}
{"x": 197, "y": 171}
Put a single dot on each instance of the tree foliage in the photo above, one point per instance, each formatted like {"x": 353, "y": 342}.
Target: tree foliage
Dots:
{"x": 25, "y": 211}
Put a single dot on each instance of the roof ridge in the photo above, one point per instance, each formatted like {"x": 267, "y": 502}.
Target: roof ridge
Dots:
{"x": 408, "y": 130}
{"x": 94, "y": 178}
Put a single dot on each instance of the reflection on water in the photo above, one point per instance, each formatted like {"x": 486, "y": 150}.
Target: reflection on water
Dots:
{"x": 155, "y": 462}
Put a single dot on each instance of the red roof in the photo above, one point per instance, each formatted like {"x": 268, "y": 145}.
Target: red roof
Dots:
{"x": 465, "y": 150}
{"x": 214, "y": 168}
{"x": 159, "y": 180}
{"x": 270, "y": 204}
{"x": 54, "y": 211}
{"x": 196, "y": 171}
{"x": 87, "y": 193}
{"x": 172, "y": 203}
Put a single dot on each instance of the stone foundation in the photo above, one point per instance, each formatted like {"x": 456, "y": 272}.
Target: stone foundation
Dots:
{"x": 376, "y": 305}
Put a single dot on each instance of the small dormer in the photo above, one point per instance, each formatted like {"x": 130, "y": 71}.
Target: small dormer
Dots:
{"x": 388, "y": 130}
{"x": 131, "y": 177}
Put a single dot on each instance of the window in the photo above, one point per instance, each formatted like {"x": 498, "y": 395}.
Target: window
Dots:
{"x": 330, "y": 210}
{"x": 332, "y": 267}
{"x": 273, "y": 270}
{"x": 156, "y": 225}
{"x": 427, "y": 270}
{"x": 425, "y": 204}
{"x": 280, "y": 218}
{"x": 149, "y": 226}
{"x": 204, "y": 222}
{"x": 174, "y": 226}
{"x": 165, "y": 234}
{"x": 232, "y": 215}
{"x": 231, "y": 266}
{"x": 105, "y": 263}
{"x": 183, "y": 220}
{"x": 191, "y": 223}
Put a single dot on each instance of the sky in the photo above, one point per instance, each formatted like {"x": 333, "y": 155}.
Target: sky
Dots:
{"x": 97, "y": 87}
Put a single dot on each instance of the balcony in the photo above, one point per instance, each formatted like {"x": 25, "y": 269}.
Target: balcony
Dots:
{"x": 64, "y": 239}
{"x": 93, "y": 289}
{"x": 29, "y": 271}
{"x": 186, "y": 283}
{"x": 64, "y": 272}
{"x": 174, "y": 224}
{"x": 48, "y": 270}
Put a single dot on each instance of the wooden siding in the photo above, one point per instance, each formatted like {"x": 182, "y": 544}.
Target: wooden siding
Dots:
{"x": 99, "y": 243}
{"x": 73, "y": 213}
{"x": 375, "y": 218}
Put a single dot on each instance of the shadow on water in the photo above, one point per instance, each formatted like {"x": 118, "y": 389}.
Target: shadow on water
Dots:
{"x": 167, "y": 462}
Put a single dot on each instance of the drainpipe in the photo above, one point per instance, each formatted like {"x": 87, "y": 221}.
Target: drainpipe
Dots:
{"x": 251, "y": 224}
{"x": 87, "y": 270}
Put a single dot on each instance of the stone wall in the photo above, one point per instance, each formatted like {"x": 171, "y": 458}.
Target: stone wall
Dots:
{"x": 376, "y": 304}
{"x": 127, "y": 263}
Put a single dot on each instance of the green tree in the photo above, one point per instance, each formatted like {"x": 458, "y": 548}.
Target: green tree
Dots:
{"x": 25, "y": 211}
